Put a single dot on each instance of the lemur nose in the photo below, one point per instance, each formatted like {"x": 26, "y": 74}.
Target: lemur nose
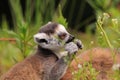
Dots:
{"x": 71, "y": 38}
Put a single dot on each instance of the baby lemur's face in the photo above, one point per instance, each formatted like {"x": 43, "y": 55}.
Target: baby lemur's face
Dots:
{"x": 52, "y": 36}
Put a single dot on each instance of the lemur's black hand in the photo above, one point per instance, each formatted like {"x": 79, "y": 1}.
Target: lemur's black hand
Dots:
{"x": 78, "y": 43}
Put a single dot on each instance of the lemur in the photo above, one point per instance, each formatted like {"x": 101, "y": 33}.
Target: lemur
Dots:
{"x": 55, "y": 47}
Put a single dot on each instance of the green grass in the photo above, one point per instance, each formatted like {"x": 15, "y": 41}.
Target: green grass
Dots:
{"x": 87, "y": 72}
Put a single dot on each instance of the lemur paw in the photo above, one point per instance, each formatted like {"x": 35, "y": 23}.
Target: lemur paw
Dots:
{"x": 71, "y": 47}
{"x": 79, "y": 43}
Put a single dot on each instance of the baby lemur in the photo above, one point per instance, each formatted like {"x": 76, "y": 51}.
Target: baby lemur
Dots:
{"x": 54, "y": 51}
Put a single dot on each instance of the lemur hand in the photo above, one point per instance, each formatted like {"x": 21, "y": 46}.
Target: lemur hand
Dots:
{"x": 78, "y": 43}
{"x": 71, "y": 47}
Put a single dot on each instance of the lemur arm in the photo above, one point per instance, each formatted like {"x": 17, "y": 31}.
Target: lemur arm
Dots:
{"x": 58, "y": 69}
{"x": 61, "y": 65}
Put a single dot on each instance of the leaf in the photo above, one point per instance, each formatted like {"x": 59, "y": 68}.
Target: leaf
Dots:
{"x": 59, "y": 17}
{"x": 12, "y": 33}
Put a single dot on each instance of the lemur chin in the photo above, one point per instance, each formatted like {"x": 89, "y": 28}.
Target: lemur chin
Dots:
{"x": 53, "y": 36}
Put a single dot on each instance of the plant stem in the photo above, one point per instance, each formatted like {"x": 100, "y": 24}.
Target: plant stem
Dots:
{"x": 105, "y": 35}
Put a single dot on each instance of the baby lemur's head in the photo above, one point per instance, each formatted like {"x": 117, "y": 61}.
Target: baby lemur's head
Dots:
{"x": 52, "y": 36}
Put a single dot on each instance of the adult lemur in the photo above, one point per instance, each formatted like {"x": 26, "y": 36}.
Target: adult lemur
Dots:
{"x": 55, "y": 48}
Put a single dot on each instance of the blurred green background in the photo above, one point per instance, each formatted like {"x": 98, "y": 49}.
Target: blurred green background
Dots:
{"x": 94, "y": 22}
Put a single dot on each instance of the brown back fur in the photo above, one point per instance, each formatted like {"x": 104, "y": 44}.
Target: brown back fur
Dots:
{"x": 32, "y": 68}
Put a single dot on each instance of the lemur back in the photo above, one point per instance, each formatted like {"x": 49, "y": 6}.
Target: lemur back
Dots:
{"x": 32, "y": 68}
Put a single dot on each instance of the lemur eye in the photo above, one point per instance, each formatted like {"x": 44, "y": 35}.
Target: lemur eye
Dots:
{"x": 62, "y": 35}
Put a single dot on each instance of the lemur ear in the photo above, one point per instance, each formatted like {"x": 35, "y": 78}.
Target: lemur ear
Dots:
{"x": 41, "y": 38}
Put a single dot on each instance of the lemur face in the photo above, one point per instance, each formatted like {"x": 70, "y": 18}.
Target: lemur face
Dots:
{"x": 52, "y": 35}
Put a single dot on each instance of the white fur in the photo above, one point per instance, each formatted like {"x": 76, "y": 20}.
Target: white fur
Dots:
{"x": 61, "y": 29}
{"x": 52, "y": 45}
{"x": 40, "y": 36}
